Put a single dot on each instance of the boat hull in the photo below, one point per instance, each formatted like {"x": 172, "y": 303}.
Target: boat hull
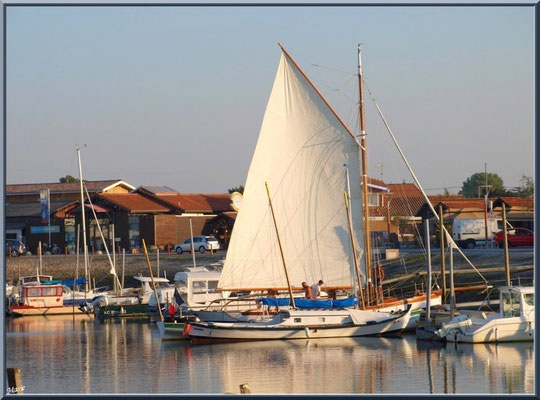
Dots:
{"x": 122, "y": 311}
{"x": 228, "y": 332}
{"x": 173, "y": 331}
{"x": 27, "y": 311}
{"x": 495, "y": 331}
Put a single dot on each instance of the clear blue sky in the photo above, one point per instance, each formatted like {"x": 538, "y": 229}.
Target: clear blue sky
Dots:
{"x": 175, "y": 96}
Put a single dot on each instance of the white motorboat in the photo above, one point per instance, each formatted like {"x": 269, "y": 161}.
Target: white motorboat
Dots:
{"x": 513, "y": 323}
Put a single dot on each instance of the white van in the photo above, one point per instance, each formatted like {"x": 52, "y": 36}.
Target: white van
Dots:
{"x": 467, "y": 232}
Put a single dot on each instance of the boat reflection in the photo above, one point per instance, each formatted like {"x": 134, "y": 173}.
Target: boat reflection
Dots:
{"x": 82, "y": 355}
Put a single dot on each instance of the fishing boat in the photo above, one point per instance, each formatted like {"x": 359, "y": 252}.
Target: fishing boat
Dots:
{"x": 36, "y": 298}
{"x": 513, "y": 323}
{"x": 295, "y": 223}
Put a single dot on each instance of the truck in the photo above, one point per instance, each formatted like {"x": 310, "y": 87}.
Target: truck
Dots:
{"x": 468, "y": 232}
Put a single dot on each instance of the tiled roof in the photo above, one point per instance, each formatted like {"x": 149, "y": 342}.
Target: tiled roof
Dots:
{"x": 404, "y": 189}
{"x": 193, "y": 202}
{"x": 32, "y": 208}
{"x": 521, "y": 202}
{"x": 132, "y": 202}
{"x": 57, "y": 187}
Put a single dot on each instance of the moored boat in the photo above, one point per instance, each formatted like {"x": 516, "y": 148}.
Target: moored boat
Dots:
{"x": 513, "y": 323}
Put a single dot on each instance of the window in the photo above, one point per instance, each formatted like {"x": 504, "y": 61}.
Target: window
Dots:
{"x": 212, "y": 285}
{"x": 198, "y": 287}
{"x": 373, "y": 199}
{"x": 33, "y": 292}
{"x": 510, "y": 305}
{"x": 188, "y": 241}
{"x": 134, "y": 233}
{"x": 529, "y": 299}
{"x": 49, "y": 291}
{"x": 298, "y": 320}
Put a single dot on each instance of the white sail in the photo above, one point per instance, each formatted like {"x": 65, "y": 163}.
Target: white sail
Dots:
{"x": 301, "y": 152}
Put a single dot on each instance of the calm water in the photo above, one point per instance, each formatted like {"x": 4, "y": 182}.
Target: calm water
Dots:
{"x": 63, "y": 355}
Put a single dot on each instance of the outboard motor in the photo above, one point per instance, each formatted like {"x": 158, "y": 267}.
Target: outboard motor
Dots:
{"x": 99, "y": 301}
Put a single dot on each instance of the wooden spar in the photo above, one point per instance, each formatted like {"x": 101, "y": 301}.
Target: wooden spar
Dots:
{"x": 153, "y": 283}
{"x": 264, "y": 289}
{"x": 506, "y": 255}
{"x": 443, "y": 261}
{"x": 428, "y": 294}
{"x": 363, "y": 144}
{"x": 280, "y": 248}
{"x": 357, "y": 269}
{"x": 83, "y": 218}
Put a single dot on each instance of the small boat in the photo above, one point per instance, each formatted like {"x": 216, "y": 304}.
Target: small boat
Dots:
{"x": 301, "y": 324}
{"x": 513, "y": 323}
{"x": 132, "y": 302}
{"x": 36, "y": 298}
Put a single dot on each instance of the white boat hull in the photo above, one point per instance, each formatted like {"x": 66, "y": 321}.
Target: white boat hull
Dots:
{"x": 495, "y": 331}
{"x": 333, "y": 324}
{"x": 25, "y": 311}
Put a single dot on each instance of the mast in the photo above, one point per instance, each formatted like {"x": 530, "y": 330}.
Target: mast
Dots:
{"x": 280, "y": 247}
{"x": 83, "y": 223}
{"x": 363, "y": 152}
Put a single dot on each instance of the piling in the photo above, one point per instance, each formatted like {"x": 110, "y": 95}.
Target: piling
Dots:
{"x": 15, "y": 385}
{"x": 244, "y": 389}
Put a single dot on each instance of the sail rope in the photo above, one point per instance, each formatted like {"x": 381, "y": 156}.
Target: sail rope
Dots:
{"x": 448, "y": 236}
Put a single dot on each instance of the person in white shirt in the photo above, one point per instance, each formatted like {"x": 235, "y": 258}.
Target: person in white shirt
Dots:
{"x": 316, "y": 290}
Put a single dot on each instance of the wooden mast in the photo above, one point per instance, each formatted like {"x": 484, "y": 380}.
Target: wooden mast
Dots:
{"x": 280, "y": 248}
{"x": 357, "y": 269}
{"x": 367, "y": 241}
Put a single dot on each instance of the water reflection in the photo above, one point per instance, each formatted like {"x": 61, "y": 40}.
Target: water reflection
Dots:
{"x": 82, "y": 355}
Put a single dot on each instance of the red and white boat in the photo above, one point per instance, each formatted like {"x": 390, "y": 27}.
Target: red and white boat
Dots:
{"x": 35, "y": 298}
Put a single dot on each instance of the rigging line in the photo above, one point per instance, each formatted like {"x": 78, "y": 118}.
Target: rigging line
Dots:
{"x": 448, "y": 236}
{"x": 334, "y": 69}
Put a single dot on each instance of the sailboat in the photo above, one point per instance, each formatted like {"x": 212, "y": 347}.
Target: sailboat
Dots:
{"x": 294, "y": 226}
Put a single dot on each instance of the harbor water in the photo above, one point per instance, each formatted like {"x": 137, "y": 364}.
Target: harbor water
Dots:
{"x": 68, "y": 355}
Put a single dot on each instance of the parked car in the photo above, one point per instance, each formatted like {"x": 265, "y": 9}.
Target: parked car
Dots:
{"x": 516, "y": 237}
{"x": 15, "y": 247}
{"x": 200, "y": 243}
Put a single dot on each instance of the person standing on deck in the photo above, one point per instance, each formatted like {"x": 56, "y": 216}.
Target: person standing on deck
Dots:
{"x": 316, "y": 290}
{"x": 307, "y": 290}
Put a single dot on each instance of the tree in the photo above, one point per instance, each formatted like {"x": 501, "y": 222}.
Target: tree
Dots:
{"x": 239, "y": 189}
{"x": 527, "y": 187}
{"x": 474, "y": 185}
{"x": 68, "y": 179}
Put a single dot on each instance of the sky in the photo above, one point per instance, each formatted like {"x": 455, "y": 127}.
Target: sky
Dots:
{"x": 176, "y": 95}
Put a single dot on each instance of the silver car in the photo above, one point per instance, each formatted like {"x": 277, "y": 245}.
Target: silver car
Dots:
{"x": 200, "y": 244}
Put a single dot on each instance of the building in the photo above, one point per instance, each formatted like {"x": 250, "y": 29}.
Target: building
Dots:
{"x": 24, "y": 214}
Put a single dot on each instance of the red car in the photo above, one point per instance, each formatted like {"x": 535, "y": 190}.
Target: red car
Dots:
{"x": 516, "y": 237}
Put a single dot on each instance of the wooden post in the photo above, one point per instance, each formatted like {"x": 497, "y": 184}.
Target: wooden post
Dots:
{"x": 65, "y": 251}
{"x": 40, "y": 261}
{"x": 15, "y": 385}
{"x": 357, "y": 269}
{"x": 244, "y": 389}
{"x": 280, "y": 247}
{"x": 443, "y": 261}
{"x": 123, "y": 264}
{"x": 365, "y": 202}
{"x": 428, "y": 293}
{"x": 506, "y": 255}
{"x": 158, "y": 305}
{"x": 157, "y": 261}
{"x": 169, "y": 249}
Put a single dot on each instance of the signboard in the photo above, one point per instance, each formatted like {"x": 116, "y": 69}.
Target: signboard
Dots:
{"x": 45, "y": 229}
{"x": 44, "y": 202}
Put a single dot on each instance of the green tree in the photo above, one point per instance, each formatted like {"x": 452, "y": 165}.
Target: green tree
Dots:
{"x": 527, "y": 187}
{"x": 239, "y": 189}
{"x": 68, "y": 179}
{"x": 474, "y": 185}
